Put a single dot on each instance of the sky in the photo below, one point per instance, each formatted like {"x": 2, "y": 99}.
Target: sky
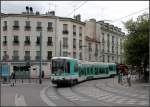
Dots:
{"x": 114, "y": 12}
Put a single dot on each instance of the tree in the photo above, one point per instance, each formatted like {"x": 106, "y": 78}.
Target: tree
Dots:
{"x": 136, "y": 43}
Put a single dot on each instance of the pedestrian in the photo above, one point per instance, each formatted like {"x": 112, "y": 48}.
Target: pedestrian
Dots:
{"x": 119, "y": 76}
{"x": 129, "y": 78}
{"x": 13, "y": 76}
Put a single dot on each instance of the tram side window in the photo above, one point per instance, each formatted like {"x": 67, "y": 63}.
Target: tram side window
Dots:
{"x": 75, "y": 67}
{"x": 68, "y": 67}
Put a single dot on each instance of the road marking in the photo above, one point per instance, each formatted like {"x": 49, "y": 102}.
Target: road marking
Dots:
{"x": 45, "y": 98}
{"x": 19, "y": 100}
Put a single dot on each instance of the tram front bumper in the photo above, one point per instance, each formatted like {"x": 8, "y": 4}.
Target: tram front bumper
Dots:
{"x": 63, "y": 81}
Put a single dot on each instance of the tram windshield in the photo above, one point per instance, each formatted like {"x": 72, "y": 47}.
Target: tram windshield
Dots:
{"x": 58, "y": 66}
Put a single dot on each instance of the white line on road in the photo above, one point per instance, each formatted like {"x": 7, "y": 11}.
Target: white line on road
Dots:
{"x": 20, "y": 101}
{"x": 45, "y": 98}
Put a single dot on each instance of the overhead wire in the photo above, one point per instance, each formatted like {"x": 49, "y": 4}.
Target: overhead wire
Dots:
{"x": 129, "y": 15}
{"x": 77, "y": 8}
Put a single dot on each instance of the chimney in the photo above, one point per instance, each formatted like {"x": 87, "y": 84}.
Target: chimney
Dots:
{"x": 27, "y": 9}
{"x": 31, "y": 10}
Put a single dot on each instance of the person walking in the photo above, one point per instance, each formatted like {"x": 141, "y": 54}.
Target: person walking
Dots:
{"x": 129, "y": 78}
{"x": 13, "y": 78}
{"x": 119, "y": 76}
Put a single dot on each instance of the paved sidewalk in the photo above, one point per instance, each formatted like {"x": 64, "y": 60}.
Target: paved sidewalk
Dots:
{"x": 136, "y": 84}
{"x": 26, "y": 82}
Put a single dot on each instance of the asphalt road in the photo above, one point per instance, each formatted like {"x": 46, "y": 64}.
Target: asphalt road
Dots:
{"x": 102, "y": 92}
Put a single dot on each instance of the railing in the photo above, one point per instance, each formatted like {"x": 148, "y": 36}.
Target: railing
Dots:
{"x": 15, "y": 27}
{"x": 65, "y": 32}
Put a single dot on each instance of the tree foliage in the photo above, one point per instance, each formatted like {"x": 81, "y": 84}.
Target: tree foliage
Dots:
{"x": 136, "y": 43}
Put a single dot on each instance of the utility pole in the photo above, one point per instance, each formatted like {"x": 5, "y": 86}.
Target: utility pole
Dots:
{"x": 40, "y": 80}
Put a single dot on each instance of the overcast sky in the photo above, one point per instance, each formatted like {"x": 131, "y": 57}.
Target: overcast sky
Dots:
{"x": 100, "y": 10}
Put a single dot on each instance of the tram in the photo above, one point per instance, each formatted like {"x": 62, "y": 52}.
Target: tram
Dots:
{"x": 66, "y": 70}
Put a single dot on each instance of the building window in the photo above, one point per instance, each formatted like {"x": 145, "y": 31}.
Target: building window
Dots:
{"x": 27, "y": 40}
{"x": 15, "y": 55}
{"x": 80, "y": 44}
{"x": 80, "y": 31}
{"x": 74, "y": 30}
{"x": 65, "y": 42}
{"x": 49, "y": 56}
{"x": 16, "y": 25}
{"x": 16, "y": 40}
{"x": 108, "y": 59}
{"x": 5, "y": 26}
{"x": 90, "y": 48}
{"x": 49, "y": 42}
{"x": 74, "y": 54}
{"x": 112, "y": 49}
{"x": 27, "y": 55}
{"x": 39, "y": 28}
{"x": 38, "y": 40}
{"x": 112, "y": 57}
{"x": 74, "y": 43}
{"x": 65, "y": 54}
{"x": 65, "y": 29}
{"x": 103, "y": 58}
{"x": 113, "y": 40}
{"x": 96, "y": 50}
{"x": 37, "y": 55}
{"x": 5, "y": 41}
{"x": 50, "y": 28}
{"x": 80, "y": 56}
{"x": 27, "y": 27}
{"x": 5, "y": 56}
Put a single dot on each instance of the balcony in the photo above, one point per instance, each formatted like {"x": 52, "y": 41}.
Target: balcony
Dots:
{"x": 49, "y": 44}
{"x": 39, "y": 28}
{"x": 74, "y": 33}
{"x": 90, "y": 49}
{"x": 15, "y": 27}
{"x": 27, "y": 28}
{"x": 65, "y": 32}
{"x": 15, "y": 58}
{"x": 26, "y": 42}
{"x": 80, "y": 34}
{"x": 5, "y": 57}
{"x": 37, "y": 57}
{"x": 27, "y": 58}
{"x": 4, "y": 43}
{"x": 74, "y": 46}
{"x": 50, "y": 29}
{"x": 4, "y": 28}
{"x": 37, "y": 43}
{"x": 65, "y": 46}
{"x": 15, "y": 42}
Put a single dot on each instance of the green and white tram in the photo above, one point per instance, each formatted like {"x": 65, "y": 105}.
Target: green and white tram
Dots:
{"x": 66, "y": 70}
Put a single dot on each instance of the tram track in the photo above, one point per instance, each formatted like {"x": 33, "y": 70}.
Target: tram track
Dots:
{"x": 93, "y": 99}
{"x": 105, "y": 84}
{"x": 57, "y": 91}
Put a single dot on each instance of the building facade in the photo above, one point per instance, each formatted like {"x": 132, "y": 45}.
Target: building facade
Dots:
{"x": 21, "y": 35}
{"x": 20, "y": 41}
{"x": 111, "y": 39}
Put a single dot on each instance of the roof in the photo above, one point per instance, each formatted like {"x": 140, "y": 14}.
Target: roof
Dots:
{"x": 28, "y": 15}
{"x": 63, "y": 58}
{"x": 71, "y": 19}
